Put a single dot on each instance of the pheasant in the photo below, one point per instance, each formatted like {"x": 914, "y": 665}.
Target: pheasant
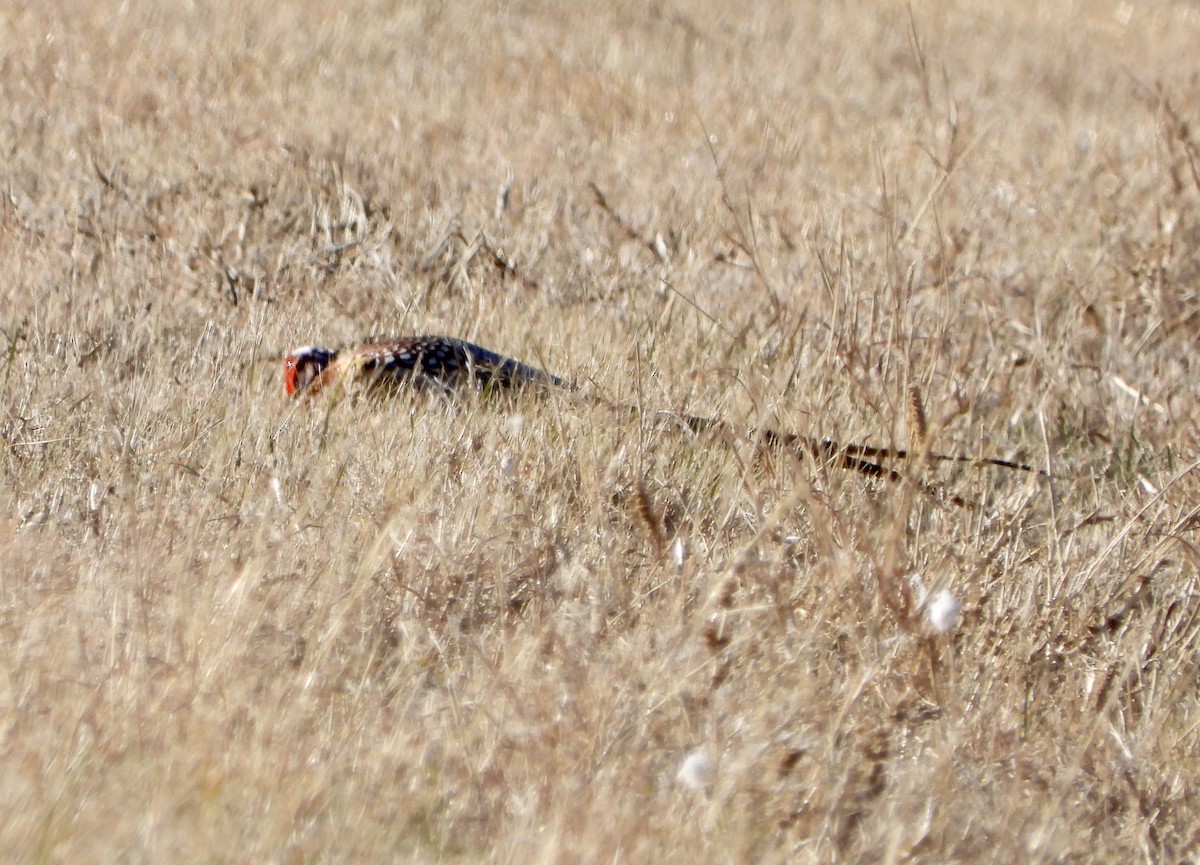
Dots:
{"x": 446, "y": 363}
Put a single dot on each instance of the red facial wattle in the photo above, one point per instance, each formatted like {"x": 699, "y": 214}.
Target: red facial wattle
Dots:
{"x": 290, "y": 375}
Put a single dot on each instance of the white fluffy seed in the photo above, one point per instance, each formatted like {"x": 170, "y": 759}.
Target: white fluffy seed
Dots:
{"x": 697, "y": 771}
{"x": 943, "y": 611}
{"x": 679, "y": 552}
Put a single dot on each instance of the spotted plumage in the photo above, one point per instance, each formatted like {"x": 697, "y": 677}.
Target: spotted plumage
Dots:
{"x": 441, "y": 361}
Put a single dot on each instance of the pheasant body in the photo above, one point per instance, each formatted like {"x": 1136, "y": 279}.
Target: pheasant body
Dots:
{"x": 421, "y": 360}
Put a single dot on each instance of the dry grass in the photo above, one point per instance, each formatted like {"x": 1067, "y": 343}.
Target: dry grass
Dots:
{"x": 233, "y": 631}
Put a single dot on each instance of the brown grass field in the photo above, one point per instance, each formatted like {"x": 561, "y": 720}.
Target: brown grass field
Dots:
{"x": 236, "y": 629}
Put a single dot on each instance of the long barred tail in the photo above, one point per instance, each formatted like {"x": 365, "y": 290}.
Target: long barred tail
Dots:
{"x": 864, "y": 459}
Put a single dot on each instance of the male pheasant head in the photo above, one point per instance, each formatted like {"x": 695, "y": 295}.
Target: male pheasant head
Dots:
{"x": 303, "y": 365}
